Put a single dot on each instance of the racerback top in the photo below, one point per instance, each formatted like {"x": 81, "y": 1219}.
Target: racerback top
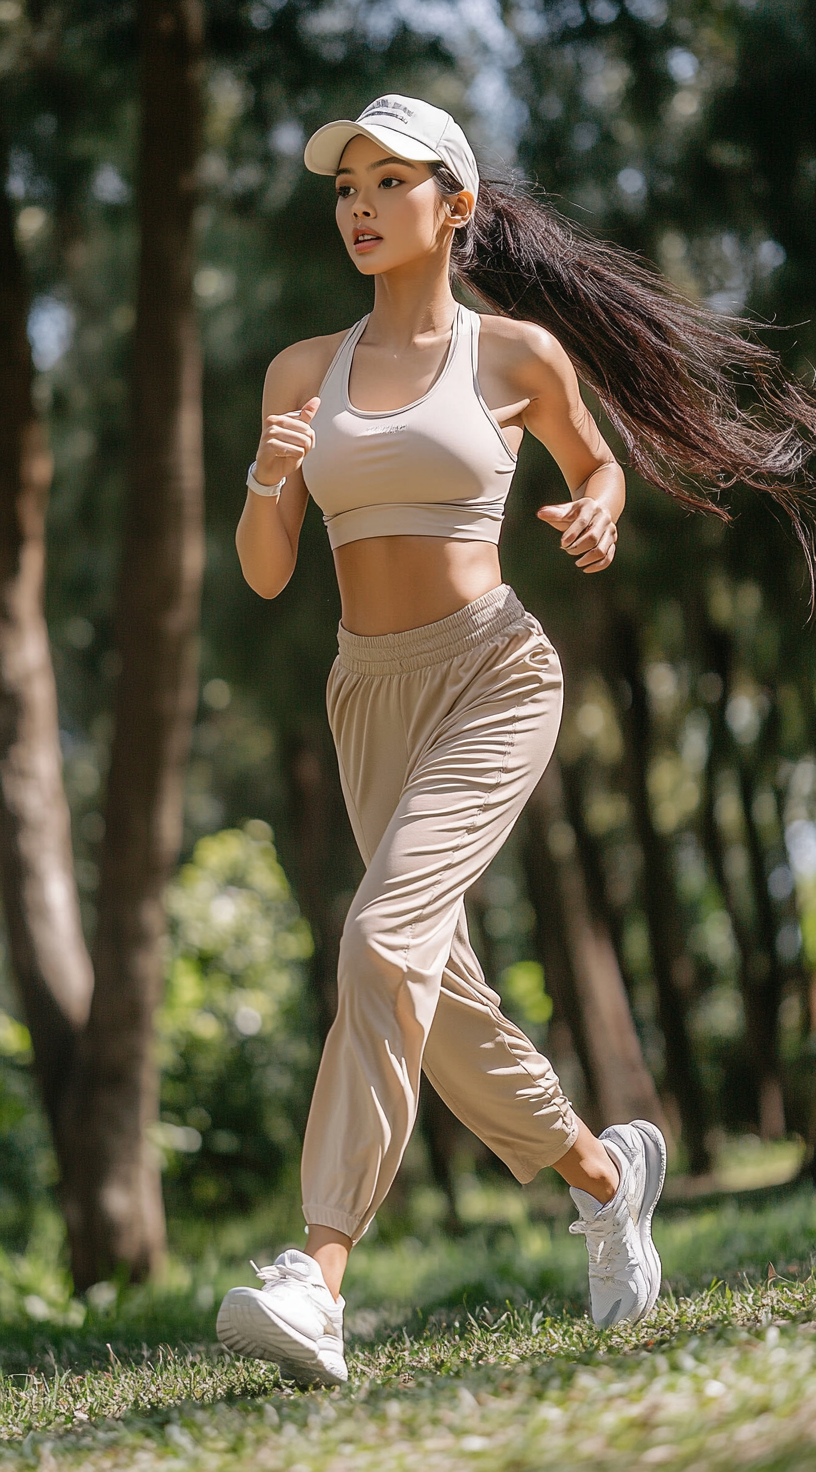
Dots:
{"x": 439, "y": 467}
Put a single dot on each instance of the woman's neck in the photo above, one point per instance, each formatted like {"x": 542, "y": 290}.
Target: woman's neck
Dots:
{"x": 412, "y": 302}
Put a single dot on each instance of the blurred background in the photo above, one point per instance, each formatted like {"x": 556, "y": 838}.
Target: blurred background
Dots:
{"x": 652, "y": 921}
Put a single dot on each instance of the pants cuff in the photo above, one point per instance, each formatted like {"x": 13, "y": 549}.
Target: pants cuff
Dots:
{"x": 339, "y": 1221}
{"x": 526, "y": 1170}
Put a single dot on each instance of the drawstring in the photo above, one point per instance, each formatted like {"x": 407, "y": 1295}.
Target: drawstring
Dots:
{"x": 278, "y": 1272}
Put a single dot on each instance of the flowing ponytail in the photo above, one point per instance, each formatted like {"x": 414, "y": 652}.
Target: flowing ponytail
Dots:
{"x": 668, "y": 374}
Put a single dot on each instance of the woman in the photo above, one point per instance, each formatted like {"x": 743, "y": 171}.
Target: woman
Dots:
{"x": 445, "y": 699}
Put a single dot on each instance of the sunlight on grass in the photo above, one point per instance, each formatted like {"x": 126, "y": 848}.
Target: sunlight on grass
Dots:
{"x": 748, "y": 1162}
{"x": 719, "y": 1382}
{"x": 466, "y": 1353}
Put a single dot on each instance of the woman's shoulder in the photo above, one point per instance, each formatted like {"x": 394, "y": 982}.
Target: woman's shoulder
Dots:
{"x": 303, "y": 365}
{"x": 310, "y": 351}
{"x": 520, "y": 347}
{"x": 517, "y": 336}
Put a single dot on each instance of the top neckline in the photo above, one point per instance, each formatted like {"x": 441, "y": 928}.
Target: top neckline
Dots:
{"x": 404, "y": 408}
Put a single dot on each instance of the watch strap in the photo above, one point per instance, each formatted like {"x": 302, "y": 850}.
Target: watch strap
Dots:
{"x": 271, "y": 492}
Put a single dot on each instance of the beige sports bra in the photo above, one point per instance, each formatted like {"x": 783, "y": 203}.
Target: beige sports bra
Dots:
{"x": 439, "y": 467}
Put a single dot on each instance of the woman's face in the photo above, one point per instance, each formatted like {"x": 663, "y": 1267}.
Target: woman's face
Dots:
{"x": 389, "y": 211}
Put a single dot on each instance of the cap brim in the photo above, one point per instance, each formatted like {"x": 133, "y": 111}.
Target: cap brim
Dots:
{"x": 324, "y": 150}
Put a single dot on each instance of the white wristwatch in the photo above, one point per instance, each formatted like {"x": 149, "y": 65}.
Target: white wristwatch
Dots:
{"x": 272, "y": 492}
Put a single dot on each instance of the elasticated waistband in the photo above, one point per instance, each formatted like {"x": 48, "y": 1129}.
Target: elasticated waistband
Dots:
{"x": 396, "y": 654}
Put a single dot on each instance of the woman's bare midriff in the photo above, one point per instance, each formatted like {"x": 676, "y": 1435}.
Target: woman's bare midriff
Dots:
{"x": 390, "y": 584}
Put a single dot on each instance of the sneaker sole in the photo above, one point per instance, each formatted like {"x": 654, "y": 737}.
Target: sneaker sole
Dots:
{"x": 249, "y": 1328}
{"x": 655, "y": 1151}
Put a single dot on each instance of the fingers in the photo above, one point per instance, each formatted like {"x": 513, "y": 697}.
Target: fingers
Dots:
{"x": 287, "y": 439}
{"x": 574, "y": 519}
{"x": 559, "y": 515}
{"x": 601, "y": 563}
{"x": 588, "y": 532}
{"x": 601, "y": 551}
{"x": 590, "y": 522}
{"x": 291, "y": 425}
{"x": 604, "y": 548}
{"x": 294, "y": 428}
{"x": 593, "y": 537}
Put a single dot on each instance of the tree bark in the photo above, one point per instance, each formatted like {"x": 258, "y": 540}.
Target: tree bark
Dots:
{"x": 763, "y": 991}
{"x": 50, "y": 961}
{"x": 673, "y": 969}
{"x": 567, "y": 1022}
{"x": 610, "y": 1048}
{"x": 115, "y": 1212}
{"x": 323, "y": 866}
{"x": 761, "y": 976}
{"x": 441, "y": 1131}
{"x": 589, "y": 855}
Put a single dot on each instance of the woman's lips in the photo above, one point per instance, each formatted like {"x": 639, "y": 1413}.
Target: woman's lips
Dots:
{"x": 366, "y": 242}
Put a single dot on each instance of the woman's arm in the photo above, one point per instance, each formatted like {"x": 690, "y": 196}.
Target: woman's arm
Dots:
{"x": 558, "y": 417}
{"x": 269, "y": 529}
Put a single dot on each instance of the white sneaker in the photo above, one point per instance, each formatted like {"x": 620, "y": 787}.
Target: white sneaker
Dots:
{"x": 293, "y": 1321}
{"x": 624, "y": 1268}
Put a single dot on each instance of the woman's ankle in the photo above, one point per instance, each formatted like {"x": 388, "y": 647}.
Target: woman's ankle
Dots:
{"x": 330, "y": 1250}
{"x": 589, "y": 1166}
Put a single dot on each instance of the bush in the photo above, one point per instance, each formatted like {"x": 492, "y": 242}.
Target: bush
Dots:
{"x": 236, "y": 1038}
{"x": 27, "y": 1165}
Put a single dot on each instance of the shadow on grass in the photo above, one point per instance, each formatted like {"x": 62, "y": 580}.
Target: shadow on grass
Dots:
{"x": 411, "y": 1283}
{"x": 46, "y": 1348}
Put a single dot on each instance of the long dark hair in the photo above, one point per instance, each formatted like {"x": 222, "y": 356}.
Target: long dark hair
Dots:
{"x": 670, "y": 375}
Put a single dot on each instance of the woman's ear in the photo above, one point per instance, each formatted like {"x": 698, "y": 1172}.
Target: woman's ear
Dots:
{"x": 461, "y": 208}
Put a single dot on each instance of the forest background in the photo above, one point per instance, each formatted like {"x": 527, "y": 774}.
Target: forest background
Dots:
{"x": 653, "y": 920}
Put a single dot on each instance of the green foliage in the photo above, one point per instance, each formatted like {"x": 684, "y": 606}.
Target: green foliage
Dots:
{"x": 26, "y": 1158}
{"x": 235, "y": 1042}
{"x": 523, "y": 987}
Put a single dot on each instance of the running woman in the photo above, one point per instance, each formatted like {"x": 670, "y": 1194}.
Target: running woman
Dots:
{"x": 445, "y": 698}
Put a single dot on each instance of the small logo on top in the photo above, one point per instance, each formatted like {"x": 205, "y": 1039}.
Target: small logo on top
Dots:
{"x": 396, "y": 111}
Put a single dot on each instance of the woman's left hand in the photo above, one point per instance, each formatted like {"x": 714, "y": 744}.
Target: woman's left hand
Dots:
{"x": 587, "y": 531}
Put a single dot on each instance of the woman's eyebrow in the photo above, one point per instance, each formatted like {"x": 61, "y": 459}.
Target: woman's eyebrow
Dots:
{"x": 377, "y": 164}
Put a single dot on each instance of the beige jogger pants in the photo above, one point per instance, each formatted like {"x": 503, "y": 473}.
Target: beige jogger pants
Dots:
{"x": 442, "y": 733}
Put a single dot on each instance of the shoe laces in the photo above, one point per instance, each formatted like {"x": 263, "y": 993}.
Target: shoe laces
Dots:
{"x": 277, "y": 1272}
{"x": 608, "y": 1242}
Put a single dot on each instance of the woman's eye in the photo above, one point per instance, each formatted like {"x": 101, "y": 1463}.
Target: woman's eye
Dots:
{"x": 389, "y": 182}
{"x": 343, "y": 191}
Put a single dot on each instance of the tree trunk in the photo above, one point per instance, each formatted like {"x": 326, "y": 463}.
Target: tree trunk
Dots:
{"x": 323, "y": 866}
{"x": 673, "y": 969}
{"x": 761, "y": 977}
{"x": 441, "y": 1131}
{"x": 621, "y": 1082}
{"x": 116, "y": 1215}
{"x": 589, "y": 855}
{"x": 566, "y": 1026}
{"x": 763, "y": 990}
{"x": 50, "y": 961}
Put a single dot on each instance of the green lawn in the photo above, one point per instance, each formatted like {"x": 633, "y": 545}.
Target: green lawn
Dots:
{"x": 466, "y": 1354}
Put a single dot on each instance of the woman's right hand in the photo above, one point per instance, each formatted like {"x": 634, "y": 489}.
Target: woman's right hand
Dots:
{"x": 285, "y": 442}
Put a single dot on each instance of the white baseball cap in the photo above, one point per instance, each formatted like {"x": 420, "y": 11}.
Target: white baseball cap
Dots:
{"x": 408, "y": 128}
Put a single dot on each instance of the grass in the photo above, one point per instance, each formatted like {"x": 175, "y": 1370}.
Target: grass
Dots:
{"x": 466, "y": 1354}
